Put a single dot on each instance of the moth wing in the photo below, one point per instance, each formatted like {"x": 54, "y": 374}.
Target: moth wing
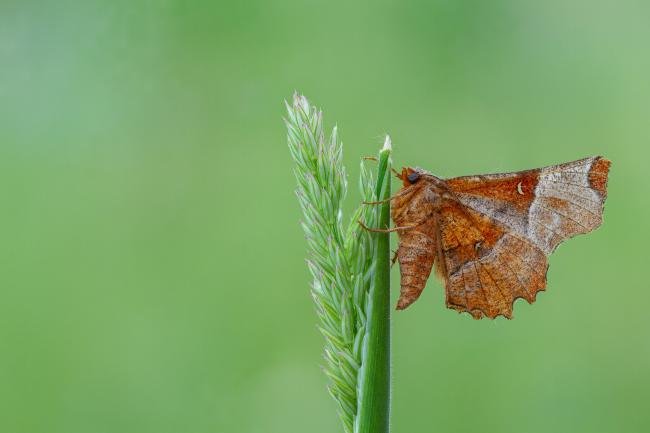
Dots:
{"x": 546, "y": 205}
{"x": 484, "y": 266}
{"x": 522, "y": 217}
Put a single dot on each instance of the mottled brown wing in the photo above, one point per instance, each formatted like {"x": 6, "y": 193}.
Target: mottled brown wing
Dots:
{"x": 517, "y": 220}
{"x": 484, "y": 266}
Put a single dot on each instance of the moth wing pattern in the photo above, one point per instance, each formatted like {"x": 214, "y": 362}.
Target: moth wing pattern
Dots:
{"x": 522, "y": 217}
{"x": 484, "y": 267}
{"x": 546, "y": 205}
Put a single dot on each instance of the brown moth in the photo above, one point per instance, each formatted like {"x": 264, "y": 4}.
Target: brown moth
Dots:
{"x": 489, "y": 236}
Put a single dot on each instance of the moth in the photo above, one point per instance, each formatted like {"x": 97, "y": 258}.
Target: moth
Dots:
{"x": 489, "y": 236}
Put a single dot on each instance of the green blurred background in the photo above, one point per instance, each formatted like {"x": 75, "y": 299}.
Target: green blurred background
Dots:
{"x": 152, "y": 272}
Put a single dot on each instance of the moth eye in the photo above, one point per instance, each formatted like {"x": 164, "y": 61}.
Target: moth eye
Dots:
{"x": 413, "y": 177}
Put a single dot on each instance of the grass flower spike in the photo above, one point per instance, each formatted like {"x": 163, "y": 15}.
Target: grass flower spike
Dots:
{"x": 350, "y": 268}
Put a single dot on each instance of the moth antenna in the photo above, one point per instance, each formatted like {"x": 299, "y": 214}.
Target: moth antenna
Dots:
{"x": 374, "y": 159}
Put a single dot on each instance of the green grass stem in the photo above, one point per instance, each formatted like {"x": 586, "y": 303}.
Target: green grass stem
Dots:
{"x": 373, "y": 394}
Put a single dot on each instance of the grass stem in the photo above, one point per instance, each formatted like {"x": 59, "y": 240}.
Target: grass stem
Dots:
{"x": 373, "y": 392}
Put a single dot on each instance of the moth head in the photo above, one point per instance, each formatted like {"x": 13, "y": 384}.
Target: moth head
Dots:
{"x": 413, "y": 176}
{"x": 410, "y": 176}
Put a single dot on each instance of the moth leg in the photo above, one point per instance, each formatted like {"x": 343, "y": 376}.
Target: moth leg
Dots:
{"x": 394, "y": 229}
{"x": 401, "y": 192}
{"x": 378, "y": 202}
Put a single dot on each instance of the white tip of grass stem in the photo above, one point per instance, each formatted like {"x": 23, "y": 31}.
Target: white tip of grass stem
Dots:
{"x": 387, "y": 144}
